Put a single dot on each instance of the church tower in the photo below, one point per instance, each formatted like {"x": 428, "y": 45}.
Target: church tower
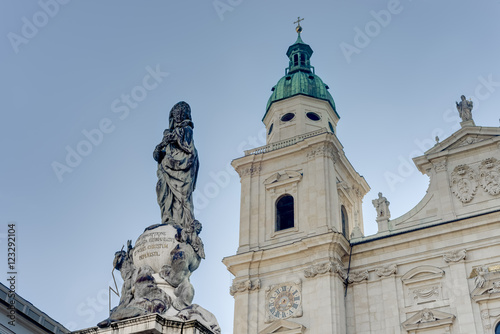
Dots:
{"x": 301, "y": 200}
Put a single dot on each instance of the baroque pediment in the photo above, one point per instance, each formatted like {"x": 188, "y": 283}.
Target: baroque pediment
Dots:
{"x": 468, "y": 140}
{"x": 422, "y": 273}
{"x": 428, "y": 318}
{"x": 288, "y": 175}
{"x": 284, "y": 327}
{"x": 466, "y": 137}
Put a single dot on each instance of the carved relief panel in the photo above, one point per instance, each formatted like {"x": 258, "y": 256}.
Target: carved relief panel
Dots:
{"x": 466, "y": 179}
{"x": 423, "y": 285}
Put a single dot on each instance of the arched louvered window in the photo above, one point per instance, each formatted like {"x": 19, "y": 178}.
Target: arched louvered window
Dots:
{"x": 302, "y": 60}
{"x": 295, "y": 60}
{"x": 284, "y": 213}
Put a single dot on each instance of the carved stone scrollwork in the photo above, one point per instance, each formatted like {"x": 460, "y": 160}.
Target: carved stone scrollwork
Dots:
{"x": 455, "y": 256}
{"x": 358, "y": 276}
{"x": 439, "y": 166}
{"x": 326, "y": 150}
{"x": 288, "y": 175}
{"x": 244, "y": 286}
{"x": 254, "y": 170}
{"x": 318, "y": 269}
{"x": 495, "y": 287}
{"x": 323, "y": 268}
{"x": 489, "y": 175}
{"x": 464, "y": 183}
{"x": 386, "y": 271}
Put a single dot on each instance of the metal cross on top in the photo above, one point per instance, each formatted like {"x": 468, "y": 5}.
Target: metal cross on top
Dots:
{"x": 298, "y": 28}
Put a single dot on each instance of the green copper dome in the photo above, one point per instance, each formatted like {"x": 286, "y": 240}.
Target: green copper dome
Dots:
{"x": 300, "y": 78}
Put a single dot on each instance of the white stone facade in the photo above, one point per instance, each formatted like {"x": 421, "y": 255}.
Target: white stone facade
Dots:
{"x": 435, "y": 269}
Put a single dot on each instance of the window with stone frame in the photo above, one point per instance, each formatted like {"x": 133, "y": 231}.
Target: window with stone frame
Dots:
{"x": 345, "y": 222}
{"x": 284, "y": 213}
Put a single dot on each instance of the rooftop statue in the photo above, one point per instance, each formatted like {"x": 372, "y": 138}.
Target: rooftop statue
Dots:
{"x": 464, "y": 108}
{"x": 381, "y": 204}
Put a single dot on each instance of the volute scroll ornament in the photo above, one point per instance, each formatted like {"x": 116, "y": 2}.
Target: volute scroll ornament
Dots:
{"x": 464, "y": 183}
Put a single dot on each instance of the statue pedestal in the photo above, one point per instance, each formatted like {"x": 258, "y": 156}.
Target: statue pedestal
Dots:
{"x": 383, "y": 224}
{"x": 153, "y": 324}
{"x": 467, "y": 123}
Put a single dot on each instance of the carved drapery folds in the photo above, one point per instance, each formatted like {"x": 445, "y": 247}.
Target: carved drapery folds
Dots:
{"x": 386, "y": 271}
{"x": 464, "y": 183}
{"x": 248, "y": 285}
{"x": 326, "y": 267}
{"x": 425, "y": 293}
{"x": 455, "y": 256}
{"x": 358, "y": 276}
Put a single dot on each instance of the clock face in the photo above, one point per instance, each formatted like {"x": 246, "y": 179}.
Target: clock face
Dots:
{"x": 284, "y": 301}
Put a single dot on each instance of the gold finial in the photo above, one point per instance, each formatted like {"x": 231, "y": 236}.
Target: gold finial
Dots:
{"x": 298, "y": 28}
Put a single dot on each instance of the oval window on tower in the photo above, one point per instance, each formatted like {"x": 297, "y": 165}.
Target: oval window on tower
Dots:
{"x": 313, "y": 116}
{"x": 270, "y": 129}
{"x": 287, "y": 117}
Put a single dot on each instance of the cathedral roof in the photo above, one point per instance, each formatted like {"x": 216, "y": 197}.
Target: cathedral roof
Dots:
{"x": 300, "y": 78}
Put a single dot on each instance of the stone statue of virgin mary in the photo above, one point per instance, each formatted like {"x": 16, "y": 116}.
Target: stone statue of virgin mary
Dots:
{"x": 177, "y": 168}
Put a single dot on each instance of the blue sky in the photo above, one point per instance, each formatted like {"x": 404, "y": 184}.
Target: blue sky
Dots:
{"x": 112, "y": 70}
